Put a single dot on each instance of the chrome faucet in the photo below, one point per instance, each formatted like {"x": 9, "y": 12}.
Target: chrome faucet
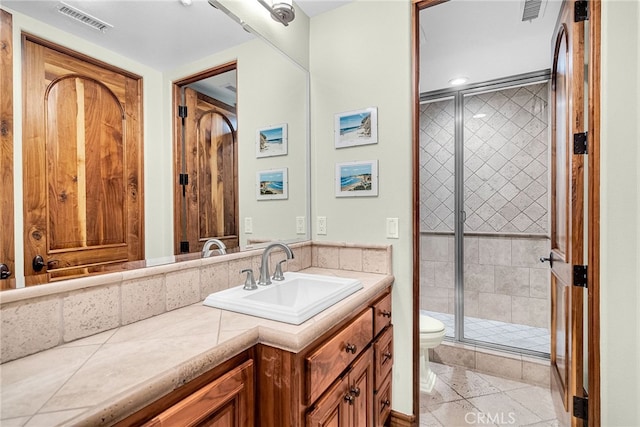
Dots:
{"x": 207, "y": 251}
{"x": 264, "y": 266}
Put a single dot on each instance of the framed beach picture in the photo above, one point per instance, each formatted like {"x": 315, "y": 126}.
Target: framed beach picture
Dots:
{"x": 358, "y": 127}
{"x": 271, "y": 141}
{"x": 272, "y": 184}
{"x": 354, "y": 179}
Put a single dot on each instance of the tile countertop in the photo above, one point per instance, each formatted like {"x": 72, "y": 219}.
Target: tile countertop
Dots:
{"x": 102, "y": 378}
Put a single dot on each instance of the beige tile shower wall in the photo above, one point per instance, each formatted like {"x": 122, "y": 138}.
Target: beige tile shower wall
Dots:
{"x": 506, "y": 158}
{"x": 504, "y": 279}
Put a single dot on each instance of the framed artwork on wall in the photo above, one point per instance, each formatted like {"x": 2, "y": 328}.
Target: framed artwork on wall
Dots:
{"x": 272, "y": 184}
{"x": 359, "y": 127}
{"x": 357, "y": 179}
{"x": 272, "y": 141}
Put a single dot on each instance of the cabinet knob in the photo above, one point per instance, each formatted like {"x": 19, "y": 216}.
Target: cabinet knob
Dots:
{"x": 385, "y": 313}
{"x": 355, "y": 391}
{"x": 384, "y": 403}
{"x": 387, "y": 356}
{"x": 349, "y": 398}
{"x": 351, "y": 348}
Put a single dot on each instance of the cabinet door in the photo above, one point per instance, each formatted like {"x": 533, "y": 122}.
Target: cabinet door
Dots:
{"x": 361, "y": 388}
{"x": 349, "y": 401}
{"x": 332, "y": 410}
{"x": 226, "y": 402}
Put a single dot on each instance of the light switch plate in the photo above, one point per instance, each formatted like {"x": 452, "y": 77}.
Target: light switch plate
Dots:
{"x": 322, "y": 225}
{"x": 392, "y": 228}
{"x": 248, "y": 225}
{"x": 301, "y": 227}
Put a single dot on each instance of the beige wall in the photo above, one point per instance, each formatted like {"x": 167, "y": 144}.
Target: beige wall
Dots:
{"x": 361, "y": 57}
{"x": 620, "y": 214}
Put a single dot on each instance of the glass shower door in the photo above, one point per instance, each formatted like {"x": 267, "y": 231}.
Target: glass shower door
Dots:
{"x": 506, "y": 220}
{"x": 437, "y": 203}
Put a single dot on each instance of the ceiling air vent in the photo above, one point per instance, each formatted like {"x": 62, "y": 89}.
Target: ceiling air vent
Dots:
{"x": 531, "y": 9}
{"x": 83, "y": 17}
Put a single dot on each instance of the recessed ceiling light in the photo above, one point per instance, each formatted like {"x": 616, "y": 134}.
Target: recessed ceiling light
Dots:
{"x": 479, "y": 115}
{"x": 186, "y": 2}
{"x": 457, "y": 81}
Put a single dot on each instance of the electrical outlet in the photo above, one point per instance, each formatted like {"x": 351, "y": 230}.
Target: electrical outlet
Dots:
{"x": 301, "y": 227}
{"x": 322, "y": 225}
{"x": 248, "y": 225}
{"x": 392, "y": 228}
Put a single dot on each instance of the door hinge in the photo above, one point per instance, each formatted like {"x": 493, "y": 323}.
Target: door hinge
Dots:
{"x": 580, "y": 143}
{"x": 580, "y": 276}
{"x": 581, "y": 11}
{"x": 184, "y": 179}
{"x": 581, "y": 407}
{"x": 184, "y": 247}
{"x": 182, "y": 111}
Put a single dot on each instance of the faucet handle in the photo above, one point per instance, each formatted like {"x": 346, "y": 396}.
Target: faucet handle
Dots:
{"x": 277, "y": 275}
{"x": 249, "y": 282}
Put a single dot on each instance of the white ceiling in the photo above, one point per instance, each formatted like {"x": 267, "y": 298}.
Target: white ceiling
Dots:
{"x": 162, "y": 34}
{"x": 479, "y": 39}
{"x": 483, "y": 40}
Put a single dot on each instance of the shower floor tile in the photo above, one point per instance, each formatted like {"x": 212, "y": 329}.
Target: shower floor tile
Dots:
{"x": 496, "y": 332}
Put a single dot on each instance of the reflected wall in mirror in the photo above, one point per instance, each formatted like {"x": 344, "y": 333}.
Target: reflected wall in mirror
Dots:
{"x": 271, "y": 89}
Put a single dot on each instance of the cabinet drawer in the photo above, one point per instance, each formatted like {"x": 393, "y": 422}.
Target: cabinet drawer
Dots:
{"x": 381, "y": 314}
{"x": 383, "y": 353}
{"x": 382, "y": 403}
{"x": 326, "y": 363}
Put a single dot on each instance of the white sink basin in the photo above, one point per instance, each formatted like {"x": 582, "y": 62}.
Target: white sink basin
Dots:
{"x": 295, "y": 299}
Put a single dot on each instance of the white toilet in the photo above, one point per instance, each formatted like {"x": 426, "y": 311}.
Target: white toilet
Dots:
{"x": 431, "y": 335}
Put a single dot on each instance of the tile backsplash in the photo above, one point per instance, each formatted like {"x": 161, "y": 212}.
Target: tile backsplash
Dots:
{"x": 42, "y": 317}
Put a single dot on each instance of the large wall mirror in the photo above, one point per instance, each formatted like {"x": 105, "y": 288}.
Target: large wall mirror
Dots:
{"x": 269, "y": 90}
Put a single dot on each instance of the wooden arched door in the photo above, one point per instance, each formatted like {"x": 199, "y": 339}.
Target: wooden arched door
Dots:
{"x": 568, "y": 216}
{"x": 208, "y": 200}
{"x": 82, "y": 155}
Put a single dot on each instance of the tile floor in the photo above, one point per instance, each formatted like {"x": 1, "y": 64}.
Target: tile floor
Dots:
{"x": 463, "y": 397}
{"x": 493, "y": 331}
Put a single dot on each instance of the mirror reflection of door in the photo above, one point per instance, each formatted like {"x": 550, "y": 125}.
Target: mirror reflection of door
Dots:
{"x": 82, "y": 155}
{"x": 7, "y": 254}
{"x": 206, "y": 160}
{"x": 567, "y": 210}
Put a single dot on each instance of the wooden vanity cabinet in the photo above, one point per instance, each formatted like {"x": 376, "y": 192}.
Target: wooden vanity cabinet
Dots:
{"x": 342, "y": 379}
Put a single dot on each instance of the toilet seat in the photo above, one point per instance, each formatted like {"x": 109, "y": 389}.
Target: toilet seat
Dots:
{"x": 429, "y": 325}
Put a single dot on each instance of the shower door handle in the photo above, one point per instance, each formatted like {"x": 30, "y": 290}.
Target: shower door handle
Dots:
{"x": 550, "y": 259}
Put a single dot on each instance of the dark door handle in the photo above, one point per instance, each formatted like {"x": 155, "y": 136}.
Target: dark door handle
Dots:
{"x": 550, "y": 259}
{"x": 4, "y": 272}
{"x": 37, "y": 263}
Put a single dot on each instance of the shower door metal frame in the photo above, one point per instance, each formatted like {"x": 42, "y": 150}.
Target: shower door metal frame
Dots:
{"x": 458, "y": 94}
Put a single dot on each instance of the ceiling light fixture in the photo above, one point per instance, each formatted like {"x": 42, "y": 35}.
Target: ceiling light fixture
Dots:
{"x": 186, "y": 2}
{"x": 457, "y": 81}
{"x": 280, "y": 10}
